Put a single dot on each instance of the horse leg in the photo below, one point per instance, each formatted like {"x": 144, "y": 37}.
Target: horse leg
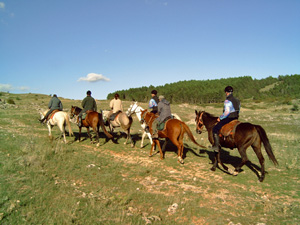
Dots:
{"x": 242, "y": 151}
{"x": 152, "y": 148}
{"x": 257, "y": 150}
{"x": 164, "y": 146}
{"x": 159, "y": 147}
{"x": 89, "y": 134}
{"x": 96, "y": 130}
{"x": 79, "y": 134}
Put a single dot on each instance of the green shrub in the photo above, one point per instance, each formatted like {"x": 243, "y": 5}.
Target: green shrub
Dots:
{"x": 295, "y": 108}
{"x": 11, "y": 101}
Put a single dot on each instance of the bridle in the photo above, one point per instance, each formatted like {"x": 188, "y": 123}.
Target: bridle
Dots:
{"x": 143, "y": 117}
{"x": 200, "y": 124}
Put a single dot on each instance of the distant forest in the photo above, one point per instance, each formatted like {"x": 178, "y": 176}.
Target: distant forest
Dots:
{"x": 212, "y": 91}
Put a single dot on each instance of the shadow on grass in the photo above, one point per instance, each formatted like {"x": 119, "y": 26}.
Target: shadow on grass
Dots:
{"x": 234, "y": 161}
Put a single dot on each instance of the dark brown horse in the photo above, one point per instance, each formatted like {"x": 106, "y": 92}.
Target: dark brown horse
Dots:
{"x": 93, "y": 119}
{"x": 174, "y": 130}
{"x": 245, "y": 135}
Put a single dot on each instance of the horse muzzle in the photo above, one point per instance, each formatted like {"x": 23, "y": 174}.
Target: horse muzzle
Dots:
{"x": 198, "y": 131}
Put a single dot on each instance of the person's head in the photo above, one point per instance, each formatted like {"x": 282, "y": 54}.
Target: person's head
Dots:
{"x": 55, "y": 95}
{"x": 88, "y": 93}
{"x": 117, "y": 96}
{"x": 228, "y": 90}
{"x": 154, "y": 92}
{"x": 161, "y": 97}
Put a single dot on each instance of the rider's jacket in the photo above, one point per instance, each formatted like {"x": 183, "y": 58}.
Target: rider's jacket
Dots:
{"x": 55, "y": 103}
{"x": 231, "y": 108}
{"x": 89, "y": 103}
{"x": 153, "y": 103}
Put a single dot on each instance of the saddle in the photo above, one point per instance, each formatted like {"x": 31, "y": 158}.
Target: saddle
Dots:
{"x": 161, "y": 126}
{"x": 113, "y": 116}
{"x": 229, "y": 128}
{"x": 52, "y": 114}
{"x": 85, "y": 113}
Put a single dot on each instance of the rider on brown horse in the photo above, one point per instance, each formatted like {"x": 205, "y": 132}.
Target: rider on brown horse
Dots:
{"x": 88, "y": 103}
{"x": 164, "y": 112}
{"x": 54, "y": 104}
{"x": 230, "y": 112}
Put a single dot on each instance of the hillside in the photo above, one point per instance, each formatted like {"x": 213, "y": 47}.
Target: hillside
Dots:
{"x": 212, "y": 91}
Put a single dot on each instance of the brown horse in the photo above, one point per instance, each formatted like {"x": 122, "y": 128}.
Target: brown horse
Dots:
{"x": 93, "y": 119}
{"x": 174, "y": 130}
{"x": 245, "y": 135}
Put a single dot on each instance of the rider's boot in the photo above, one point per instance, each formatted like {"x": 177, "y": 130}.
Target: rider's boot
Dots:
{"x": 216, "y": 146}
{"x": 79, "y": 121}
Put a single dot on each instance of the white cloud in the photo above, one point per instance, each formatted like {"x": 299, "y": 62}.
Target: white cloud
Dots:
{"x": 5, "y": 87}
{"x": 93, "y": 77}
{"x": 8, "y": 87}
{"x": 24, "y": 88}
{"x": 2, "y": 5}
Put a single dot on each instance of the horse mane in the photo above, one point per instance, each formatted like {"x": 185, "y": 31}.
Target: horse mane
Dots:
{"x": 210, "y": 115}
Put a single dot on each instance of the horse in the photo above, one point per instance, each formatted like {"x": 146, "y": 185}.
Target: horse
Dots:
{"x": 61, "y": 119}
{"x": 121, "y": 120}
{"x": 174, "y": 130}
{"x": 135, "y": 108}
{"x": 93, "y": 119}
{"x": 245, "y": 135}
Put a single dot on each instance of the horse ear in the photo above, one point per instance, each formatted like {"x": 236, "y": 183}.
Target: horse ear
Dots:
{"x": 196, "y": 112}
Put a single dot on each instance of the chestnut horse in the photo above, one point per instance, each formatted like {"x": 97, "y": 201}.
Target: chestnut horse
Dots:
{"x": 93, "y": 119}
{"x": 174, "y": 130}
{"x": 245, "y": 135}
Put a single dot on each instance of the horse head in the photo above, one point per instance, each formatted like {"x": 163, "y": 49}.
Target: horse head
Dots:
{"x": 74, "y": 111}
{"x": 199, "y": 121}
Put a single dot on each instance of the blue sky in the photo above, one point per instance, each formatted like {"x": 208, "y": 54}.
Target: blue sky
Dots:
{"x": 68, "y": 47}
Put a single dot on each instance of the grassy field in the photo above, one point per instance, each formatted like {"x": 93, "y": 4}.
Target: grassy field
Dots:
{"x": 45, "y": 181}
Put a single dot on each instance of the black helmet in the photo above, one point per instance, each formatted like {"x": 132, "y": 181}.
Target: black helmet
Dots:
{"x": 154, "y": 92}
{"x": 88, "y": 92}
{"x": 228, "y": 89}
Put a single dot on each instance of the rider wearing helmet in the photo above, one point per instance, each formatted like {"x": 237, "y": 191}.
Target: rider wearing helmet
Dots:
{"x": 230, "y": 112}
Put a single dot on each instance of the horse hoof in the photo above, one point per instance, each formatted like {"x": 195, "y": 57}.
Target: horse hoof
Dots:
{"x": 261, "y": 179}
{"x": 213, "y": 169}
{"x": 233, "y": 172}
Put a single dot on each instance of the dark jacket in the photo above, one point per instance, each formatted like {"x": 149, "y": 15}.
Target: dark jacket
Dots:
{"x": 236, "y": 105}
{"x": 89, "y": 103}
{"x": 55, "y": 103}
{"x": 164, "y": 110}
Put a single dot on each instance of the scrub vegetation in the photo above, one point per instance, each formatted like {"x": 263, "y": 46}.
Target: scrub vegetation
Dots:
{"x": 45, "y": 181}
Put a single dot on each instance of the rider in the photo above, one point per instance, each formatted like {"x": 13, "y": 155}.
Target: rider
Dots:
{"x": 230, "y": 112}
{"x": 54, "y": 104}
{"x": 154, "y": 102}
{"x": 88, "y": 103}
{"x": 116, "y": 106}
{"x": 164, "y": 112}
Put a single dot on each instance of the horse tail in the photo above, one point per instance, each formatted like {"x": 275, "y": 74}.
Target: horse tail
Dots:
{"x": 68, "y": 124}
{"x": 103, "y": 127}
{"x": 263, "y": 136}
{"x": 190, "y": 134}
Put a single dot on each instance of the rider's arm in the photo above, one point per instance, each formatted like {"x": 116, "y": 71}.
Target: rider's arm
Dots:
{"x": 227, "y": 108}
{"x": 151, "y": 103}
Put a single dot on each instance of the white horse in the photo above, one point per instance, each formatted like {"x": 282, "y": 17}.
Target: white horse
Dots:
{"x": 61, "y": 119}
{"x": 135, "y": 108}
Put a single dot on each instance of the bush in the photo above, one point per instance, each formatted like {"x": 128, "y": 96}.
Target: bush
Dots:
{"x": 295, "y": 108}
{"x": 10, "y": 101}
